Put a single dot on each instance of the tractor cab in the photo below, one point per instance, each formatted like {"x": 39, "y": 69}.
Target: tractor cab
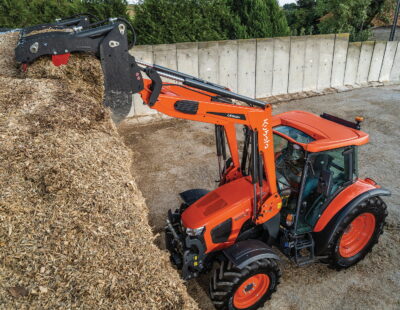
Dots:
{"x": 315, "y": 159}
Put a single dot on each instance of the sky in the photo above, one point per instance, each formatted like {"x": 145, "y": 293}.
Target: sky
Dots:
{"x": 281, "y": 2}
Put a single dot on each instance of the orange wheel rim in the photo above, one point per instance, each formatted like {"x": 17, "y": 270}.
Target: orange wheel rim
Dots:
{"x": 251, "y": 291}
{"x": 357, "y": 235}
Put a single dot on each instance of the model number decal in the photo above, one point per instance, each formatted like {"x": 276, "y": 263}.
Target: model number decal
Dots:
{"x": 230, "y": 115}
{"x": 265, "y": 133}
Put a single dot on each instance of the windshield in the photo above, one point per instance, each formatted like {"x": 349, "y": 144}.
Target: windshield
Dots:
{"x": 294, "y": 133}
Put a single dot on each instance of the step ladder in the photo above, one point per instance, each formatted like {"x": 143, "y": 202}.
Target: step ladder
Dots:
{"x": 304, "y": 249}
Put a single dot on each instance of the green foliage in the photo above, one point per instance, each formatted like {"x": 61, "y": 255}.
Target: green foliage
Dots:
{"x": 169, "y": 21}
{"x": 345, "y": 16}
{"x": 302, "y": 17}
{"x": 22, "y": 13}
{"x": 385, "y": 10}
{"x": 260, "y": 18}
{"x": 334, "y": 16}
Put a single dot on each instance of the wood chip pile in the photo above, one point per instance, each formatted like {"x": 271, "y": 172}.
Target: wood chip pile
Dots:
{"x": 74, "y": 230}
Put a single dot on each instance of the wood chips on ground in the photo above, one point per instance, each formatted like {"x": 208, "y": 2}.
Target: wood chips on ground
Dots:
{"x": 74, "y": 230}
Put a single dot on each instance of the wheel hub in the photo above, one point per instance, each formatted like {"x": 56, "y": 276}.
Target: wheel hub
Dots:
{"x": 357, "y": 235}
{"x": 249, "y": 287}
{"x": 251, "y": 291}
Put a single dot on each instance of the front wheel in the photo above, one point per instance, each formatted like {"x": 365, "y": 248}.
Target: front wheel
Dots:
{"x": 358, "y": 232}
{"x": 249, "y": 288}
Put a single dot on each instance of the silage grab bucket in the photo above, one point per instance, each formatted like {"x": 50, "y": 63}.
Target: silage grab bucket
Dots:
{"x": 107, "y": 40}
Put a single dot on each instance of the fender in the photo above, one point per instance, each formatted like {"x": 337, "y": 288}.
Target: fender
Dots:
{"x": 243, "y": 253}
{"x": 192, "y": 195}
{"x": 324, "y": 237}
{"x": 342, "y": 199}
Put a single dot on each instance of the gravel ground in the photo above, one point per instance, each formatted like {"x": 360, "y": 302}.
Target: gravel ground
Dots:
{"x": 176, "y": 155}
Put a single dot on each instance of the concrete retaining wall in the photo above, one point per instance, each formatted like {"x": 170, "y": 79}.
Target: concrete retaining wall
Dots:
{"x": 267, "y": 67}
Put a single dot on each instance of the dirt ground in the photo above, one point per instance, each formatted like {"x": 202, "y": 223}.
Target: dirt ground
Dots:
{"x": 176, "y": 155}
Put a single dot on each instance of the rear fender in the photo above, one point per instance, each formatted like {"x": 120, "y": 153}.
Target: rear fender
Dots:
{"x": 324, "y": 237}
{"x": 346, "y": 196}
{"x": 243, "y": 253}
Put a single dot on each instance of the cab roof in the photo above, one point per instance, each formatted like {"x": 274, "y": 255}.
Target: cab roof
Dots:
{"x": 327, "y": 134}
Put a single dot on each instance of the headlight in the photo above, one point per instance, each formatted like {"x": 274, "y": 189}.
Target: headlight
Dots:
{"x": 194, "y": 231}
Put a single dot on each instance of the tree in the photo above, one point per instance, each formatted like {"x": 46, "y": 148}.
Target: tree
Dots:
{"x": 302, "y": 17}
{"x": 22, "y": 13}
{"x": 170, "y": 21}
{"x": 345, "y": 16}
{"x": 260, "y": 18}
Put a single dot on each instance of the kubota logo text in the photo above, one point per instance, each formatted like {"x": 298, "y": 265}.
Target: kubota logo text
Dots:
{"x": 265, "y": 133}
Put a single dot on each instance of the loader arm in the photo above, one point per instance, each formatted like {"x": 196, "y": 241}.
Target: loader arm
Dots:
{"x": 184, "y": 102}
{"x": 193, "y": 99}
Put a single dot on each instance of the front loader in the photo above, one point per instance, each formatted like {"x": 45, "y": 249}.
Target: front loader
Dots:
{"x": 293, "y": 186}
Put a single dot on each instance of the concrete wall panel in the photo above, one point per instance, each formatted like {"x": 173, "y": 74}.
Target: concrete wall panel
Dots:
{"x": 143, "y": 52}
{"x": 296, "y": 69}
{"x": 388, "y": 60}
{"x": 209, "y": 61}
{"x": 339, "y": 59}
{"x": 187, "y": 55}
{"x": 353, "y": 57}
{"x": 247, "y": 67}
{"x": 228, "y": 64}
{"x": 275, "y": 66}
{"x": 364, "y": 64}
{"x": 311, "y": 62}
{"x": 326, "y": 48}
{"x": 395, "y": 73}
{"x": 376, "y": 62}
{"x": 264, "y": 67}
{"x": 281, "y": 65}
{"x": 165, "y": 55}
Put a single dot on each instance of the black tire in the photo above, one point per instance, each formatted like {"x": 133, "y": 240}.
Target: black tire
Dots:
{"x": 374, "y": 205}
{"x": 226, "y": 279}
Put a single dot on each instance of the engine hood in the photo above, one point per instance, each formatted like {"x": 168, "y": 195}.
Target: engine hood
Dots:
{"x": 233, "y": 199}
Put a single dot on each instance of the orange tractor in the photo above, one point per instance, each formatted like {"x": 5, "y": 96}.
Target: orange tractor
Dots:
{"x": 293, "y": 184}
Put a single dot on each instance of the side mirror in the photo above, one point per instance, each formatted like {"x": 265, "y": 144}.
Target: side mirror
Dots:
{"x": 325, "y": 182}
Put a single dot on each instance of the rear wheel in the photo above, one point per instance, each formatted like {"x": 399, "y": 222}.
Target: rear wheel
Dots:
{"x": 249, "y": 288}
{"x": 358, "y": 232}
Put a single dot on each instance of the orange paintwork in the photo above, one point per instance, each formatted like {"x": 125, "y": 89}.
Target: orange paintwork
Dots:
{"x": 357, "y": 235}
{"x": 231, "y": 200}
{"x": 251, "y": 291}
{"x": 342, "y": 199}
{"x": 257, "y": 119}
{"x": 327, "y": 134}
{"x": 234, "y": 197}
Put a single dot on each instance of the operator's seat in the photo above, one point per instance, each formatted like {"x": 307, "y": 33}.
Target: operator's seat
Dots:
{"x": 312, "y": 194}
{"x": 322, "y": 162}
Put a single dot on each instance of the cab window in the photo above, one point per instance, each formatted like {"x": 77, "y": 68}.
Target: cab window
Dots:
{"x": 295, "y": 134}
{"x": 327, "y": 173}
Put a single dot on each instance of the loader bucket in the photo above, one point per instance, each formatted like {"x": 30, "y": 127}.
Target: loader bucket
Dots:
{"x": 108, "y": 42}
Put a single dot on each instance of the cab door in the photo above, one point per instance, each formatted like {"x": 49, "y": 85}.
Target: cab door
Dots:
{"x": 326, "y": 174}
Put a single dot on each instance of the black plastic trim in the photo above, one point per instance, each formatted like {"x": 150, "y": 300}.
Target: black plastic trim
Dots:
{"x": 243, "y": 253}
{"x": 187, "y": 106}
{"x": 221, "y": 232}
{"x": 272, "y": 227}
{"x": 192, "y": 195}
{"x": 340, "y": 121}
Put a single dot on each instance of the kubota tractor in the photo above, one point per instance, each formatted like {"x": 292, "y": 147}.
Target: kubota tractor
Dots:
{"x": 293, "y": 185}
